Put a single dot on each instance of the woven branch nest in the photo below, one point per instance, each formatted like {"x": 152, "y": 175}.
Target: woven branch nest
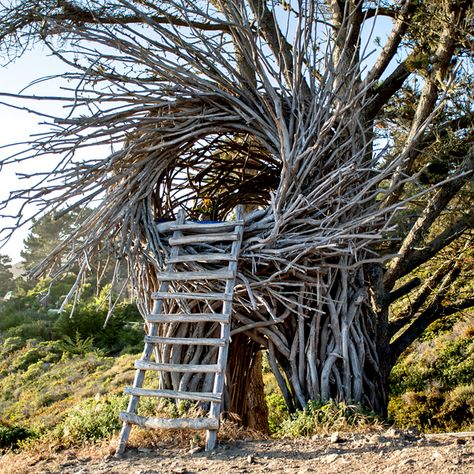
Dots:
{"x": 308, "y": 183}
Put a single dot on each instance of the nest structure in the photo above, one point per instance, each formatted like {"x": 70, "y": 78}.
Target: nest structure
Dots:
{"x": 209, "y": 108}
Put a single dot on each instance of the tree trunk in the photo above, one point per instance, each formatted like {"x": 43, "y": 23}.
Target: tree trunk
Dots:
{"x": 245, "y": 387}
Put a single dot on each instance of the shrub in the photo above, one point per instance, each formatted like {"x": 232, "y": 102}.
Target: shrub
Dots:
{"x": 327, "y": 416}
{"x": 277, "y": 411}
{"x": 11, "y": 436}
{"x": 91, "y": 420}
{"x": 123, "y": 330}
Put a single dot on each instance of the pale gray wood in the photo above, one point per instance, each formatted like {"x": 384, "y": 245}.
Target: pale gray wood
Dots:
{"x": 192, "y": 296}
{"x": 196, "y": 341}
{"x": 190, "y": 276}
{"x": 147, "y": 351}
{"x": 205, "y": 257}
{"x": 202, "y": 239}
{"x": 170, "y": 423}
{"x": 205, "y": 227}
{"x": 204, "y": 368}
{"x": 176, "y": 394}
{"x": 215, "y": 409}
{"x": 188, "y": 318}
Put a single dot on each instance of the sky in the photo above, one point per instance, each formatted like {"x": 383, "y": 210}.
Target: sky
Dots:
{"x": 18, "y": 125}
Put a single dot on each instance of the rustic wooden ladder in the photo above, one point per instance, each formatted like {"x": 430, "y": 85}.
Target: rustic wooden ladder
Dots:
{"x": 190, "y": 235}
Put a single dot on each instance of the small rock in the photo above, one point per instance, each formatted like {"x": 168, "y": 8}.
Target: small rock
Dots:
{"x": 438, "y": 456}
{"x": 179, "y": 470}
{"x": 335, "y": 438}
{"x": 144, "y": 450}
{"x": 195, "y": 450}
{"x": 250, "y": 459}
{"x": 331, "y": 458}
{"x": 407, "y": 461}
{"x": 393, "y": 433}
{"x": 375, "y": 439}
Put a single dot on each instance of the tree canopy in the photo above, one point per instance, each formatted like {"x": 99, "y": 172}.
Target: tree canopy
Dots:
{"x": 6, "y": 275}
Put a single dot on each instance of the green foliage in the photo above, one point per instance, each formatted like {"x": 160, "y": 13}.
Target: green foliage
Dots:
{"x": 91, "y": 420}
{"x": 324, "y": 416}
{"x": 11, "y": 436}
{"x": 432, "y": 386}
{"x": 21, "y": 310}
{"x": 123, "y": 333}
{"x": 6, "y": 276}
{"x": 27, "y": 317}
{"x": 277, "y": 411}
{"x": 435, "y": 410}
{"x": 47, "y": 233}
{"x": 39, "y": 382}
{"x": 448, "y": 360}
{"x": 78, "y": 345}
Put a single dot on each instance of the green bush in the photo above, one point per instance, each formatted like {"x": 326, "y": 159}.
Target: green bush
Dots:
{"x": 124, "y": 329}
{"x": 91, "y": 420}
{"x": 11, "y": 436}
{"x": 277, "y": 411}
{"x": 431, "y": 386}
{"x": 435, "y": 410}
{"x": 327, "y": 416}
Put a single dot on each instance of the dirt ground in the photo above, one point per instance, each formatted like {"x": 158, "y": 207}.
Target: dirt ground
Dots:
{"x": 390, "y": 451}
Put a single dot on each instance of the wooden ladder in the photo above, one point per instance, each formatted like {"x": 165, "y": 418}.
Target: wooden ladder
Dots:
{"x": 195, "y": 236}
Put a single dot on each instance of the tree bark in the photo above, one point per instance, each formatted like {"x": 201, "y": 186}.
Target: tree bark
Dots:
{"x": 245, "y": 386}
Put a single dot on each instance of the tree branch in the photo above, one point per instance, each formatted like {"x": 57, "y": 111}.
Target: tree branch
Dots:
{"x": 458, "y": 306}
{"x": 418, "y": 257}
{"x": 426, "y": 290}
{"x": 383, "y": 92}
{"x": 380, "y": 11}
{"x": 276, "y": 41}
{"x": 19, "y": 17}
{"x": 441, "y": 63}
{"x": 430, "y": 314}
{"x": 393, "y": 41}
{"x": 403, "y": 290}
{"x": 434, "y": 208}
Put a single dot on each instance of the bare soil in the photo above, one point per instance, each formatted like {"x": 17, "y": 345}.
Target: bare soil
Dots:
{"x": 391, "y": 451}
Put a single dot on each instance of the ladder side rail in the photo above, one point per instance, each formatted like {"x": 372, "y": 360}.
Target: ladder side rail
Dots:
{"x": 214, "y": 412}
{"x": 147, "y": 351}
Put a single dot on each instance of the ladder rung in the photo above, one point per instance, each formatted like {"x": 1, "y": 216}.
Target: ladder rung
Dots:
{"x": 205, "y": 258}
{"x": 189, "y": 276}
{"x": 202, "y": 239}
{"x": 170, "y": 423}
{"x": 197, "y": 396}
{"x": 188, "y": 318}
{"x": 195, "y": 341}
{"x": 204, "y": 368}
{"x": 205, "y": 226}
{"x": 191, "y": 296}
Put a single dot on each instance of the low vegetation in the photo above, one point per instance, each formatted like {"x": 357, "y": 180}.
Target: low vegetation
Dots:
{"x": 433, "y": 384}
